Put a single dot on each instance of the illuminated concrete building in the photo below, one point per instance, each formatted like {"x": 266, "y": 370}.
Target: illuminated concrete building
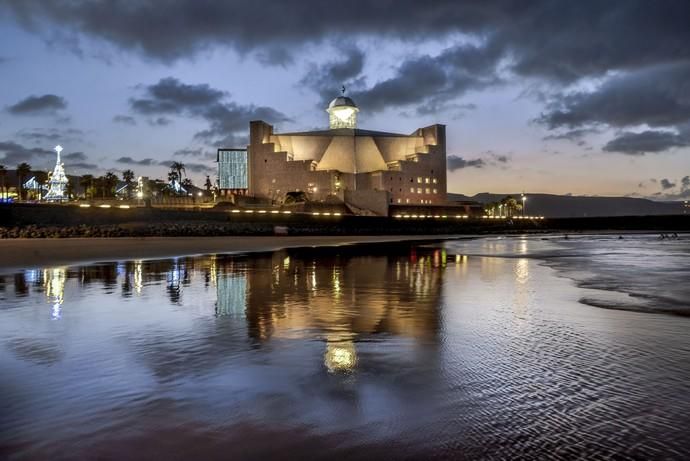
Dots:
{"x": 369, "y": 170}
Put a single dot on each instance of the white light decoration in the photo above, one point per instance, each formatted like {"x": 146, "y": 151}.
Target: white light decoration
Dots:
{"x": 58, "y": 180}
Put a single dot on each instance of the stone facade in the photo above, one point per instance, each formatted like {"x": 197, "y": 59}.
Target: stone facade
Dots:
{"x": 408, "y": 169}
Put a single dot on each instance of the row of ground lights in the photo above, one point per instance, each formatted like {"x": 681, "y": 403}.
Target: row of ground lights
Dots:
{"x": 86, "y": 205}
{"x": 316, "y": 213}
{"x": 421, "y": 216}
{"x": 512, "y": 217}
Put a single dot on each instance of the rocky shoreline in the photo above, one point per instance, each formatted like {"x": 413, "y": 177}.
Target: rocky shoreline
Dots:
{"x": 147, "y": 230}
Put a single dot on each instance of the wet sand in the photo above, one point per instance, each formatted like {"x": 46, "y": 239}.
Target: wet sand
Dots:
{"x": 24, "y": 253}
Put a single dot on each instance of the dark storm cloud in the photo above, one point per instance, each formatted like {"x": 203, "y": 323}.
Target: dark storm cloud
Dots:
{"x": 457, "y": 163}
{"x": 188, "y": 153}
{"x": 433, "y": 81}
{"x": 80, "y": 156}
{"x": 83, "y": 166}
{"x": 12, "y": 154}
{"x": 326, "y": 79}
{"x": 191, "y": 167}
{"x": 645, "y": 142}
{"x": 572, "y": 135}
{"x": 565, "y": 40}
{"x": 50, "y": 135}
{"x": 170, "y": 96}
{"x": 657, "y": 96}
{"x": 185, "y": 27}
{"x": 226, "y": 118}
{"x": 666, "y": 184}
{"x": 125, "y": 120}
{"x": 38, "y": 105}
{"x": 275, "y": 56}
{"x": 159, "y": 121}
{"x": 131, "y": 161}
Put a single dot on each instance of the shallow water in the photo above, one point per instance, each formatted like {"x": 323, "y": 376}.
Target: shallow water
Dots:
{"x": 470, "y": 349}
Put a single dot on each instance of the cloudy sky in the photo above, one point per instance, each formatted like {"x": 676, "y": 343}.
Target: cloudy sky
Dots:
{"x": 581, "y": 97}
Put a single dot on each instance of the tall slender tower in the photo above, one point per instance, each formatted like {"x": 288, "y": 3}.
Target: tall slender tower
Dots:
{"x": 58, "y": 180}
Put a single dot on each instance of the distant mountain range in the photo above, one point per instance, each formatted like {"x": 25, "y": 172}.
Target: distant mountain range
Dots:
{"x": 572, "y": 206}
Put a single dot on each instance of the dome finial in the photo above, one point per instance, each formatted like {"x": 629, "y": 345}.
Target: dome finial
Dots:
{"x": 343, "y": 90}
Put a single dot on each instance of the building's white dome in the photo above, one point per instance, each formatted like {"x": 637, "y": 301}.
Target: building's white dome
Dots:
{"x": 342, "y": 101}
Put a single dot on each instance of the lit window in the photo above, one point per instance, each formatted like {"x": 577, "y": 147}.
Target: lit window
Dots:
{"x": 434, "y": 180}
{"x": 435, "y": 191}
{"x": 426, "y": 180}
{"x": 419, "y": 180}
{"x": 399, "y": 200}
{"x": 412, "y": 190}
{"x": 419, "y": 190}
{"x": 427, "y": 190}
{"x": 407, "y": 200}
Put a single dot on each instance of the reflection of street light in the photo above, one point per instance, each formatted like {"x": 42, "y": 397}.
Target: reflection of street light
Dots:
{"x": 524, "y": 199}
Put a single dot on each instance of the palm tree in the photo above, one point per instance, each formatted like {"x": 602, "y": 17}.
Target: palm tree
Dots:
{"x": 42, "y": 180}
{"x": 510, "y": 205}
{"x": 86, "y": 182}
{"x": 178, "y": 167}
{"x": 3, "y": 175}
{"x": 128, "y": 178}
{"x": 23, "y": 170}
{"x": 109, "y": 184}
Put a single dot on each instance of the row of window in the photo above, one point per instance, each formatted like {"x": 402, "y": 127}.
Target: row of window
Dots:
{"x": 420, "y": 179}
{"x": 423, "y": 202}
{"x": 426, "y": 190}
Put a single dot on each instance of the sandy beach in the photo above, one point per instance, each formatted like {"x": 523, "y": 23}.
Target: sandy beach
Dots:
{"x": 25, "y": 253}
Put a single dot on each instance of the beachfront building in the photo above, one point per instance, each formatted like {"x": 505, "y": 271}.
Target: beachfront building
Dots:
{"x": 368, "y": 170}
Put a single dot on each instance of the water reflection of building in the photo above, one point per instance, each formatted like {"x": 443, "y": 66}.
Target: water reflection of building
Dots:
{"x": 232, "y": 294}
{"x": 337, "y": 297}
{"x": 54, "y": 284}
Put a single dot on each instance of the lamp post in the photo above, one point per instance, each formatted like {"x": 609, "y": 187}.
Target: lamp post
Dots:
{"x": 524, "y": 199}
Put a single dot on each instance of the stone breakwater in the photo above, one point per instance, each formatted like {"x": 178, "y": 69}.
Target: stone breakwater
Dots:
{"x": 149, "y": 230}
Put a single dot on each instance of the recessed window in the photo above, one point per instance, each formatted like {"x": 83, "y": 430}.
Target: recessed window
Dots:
{"x": 434, "y": 181}
{"x": 426, "y": 180}
{"x": 412, "y": 190}
{"x": 427, "y": 190}
{"x": 435, "y": 191}
{"x": 419, "y": 180}
{"x": 419, "y": 190}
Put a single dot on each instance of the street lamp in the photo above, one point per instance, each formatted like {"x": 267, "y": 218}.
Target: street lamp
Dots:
{"x": 524, "y": 199}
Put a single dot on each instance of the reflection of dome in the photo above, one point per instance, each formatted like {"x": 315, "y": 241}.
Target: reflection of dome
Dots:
{"x": 340, "y": 356}
{"x": 342, "y": 113}
{"x": 341, "y": 101}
